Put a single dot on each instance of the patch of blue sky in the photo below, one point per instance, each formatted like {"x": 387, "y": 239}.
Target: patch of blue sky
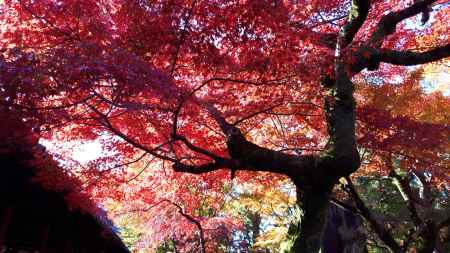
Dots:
{"x": 416, "y": 23}
{"x": 440, "y": 83}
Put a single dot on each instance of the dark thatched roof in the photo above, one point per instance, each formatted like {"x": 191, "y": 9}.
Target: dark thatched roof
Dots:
{"x": 35, "y": 217}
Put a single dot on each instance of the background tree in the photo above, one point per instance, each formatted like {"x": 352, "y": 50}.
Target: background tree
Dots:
{"x": 212, "y": 87}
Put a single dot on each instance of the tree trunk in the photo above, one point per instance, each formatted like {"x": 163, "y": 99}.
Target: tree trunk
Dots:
{"x": 4, "y": 225}
{"x": 324, "y": 227}
{"x": 305, "y": 235}
{"x": 345, "y": 231}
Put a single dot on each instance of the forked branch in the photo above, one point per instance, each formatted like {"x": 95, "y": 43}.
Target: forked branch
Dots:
{"x": 388, "y": 22}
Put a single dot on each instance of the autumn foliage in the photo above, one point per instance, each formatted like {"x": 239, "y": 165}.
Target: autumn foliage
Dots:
{"x": 190, "y": 99}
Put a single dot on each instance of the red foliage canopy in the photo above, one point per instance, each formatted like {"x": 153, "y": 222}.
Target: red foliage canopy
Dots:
{"x": 168, "y": 82}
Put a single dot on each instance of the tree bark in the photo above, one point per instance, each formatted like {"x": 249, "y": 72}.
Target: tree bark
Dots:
{"x": 314, "y": 203}
{"x": 345, "y": 231}
{"x": 5, "y": 221}
{"x": 305, "y": 233}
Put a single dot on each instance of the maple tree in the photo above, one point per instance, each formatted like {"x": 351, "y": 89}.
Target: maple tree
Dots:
{"x": 228, "y": 89}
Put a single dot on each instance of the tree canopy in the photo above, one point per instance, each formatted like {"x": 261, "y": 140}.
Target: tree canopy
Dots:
{"x": 191, "y": 100}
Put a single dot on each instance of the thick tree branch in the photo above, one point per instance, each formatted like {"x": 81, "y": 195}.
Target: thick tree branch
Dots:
{"x": 195, "y": 148}
{"x": 189, "y": 144}
{"x": 339, "y": 103}
{"x": 340, "y": 113}
{"x": 379, "y": 228}
{"x": 256, "y": 158}
{"x": 406, "y": 189}
{"x": 409, "y": 58}
{"x": 259, "y": 158}
{"x": 388, "y": 22}
{"x": 226, "y": 128}
{"x": 371, "y": 55}
{"x": 358, "y": 14}
{"x": 183, "y": 139}
{"x": 370, "y": 58}
{"x": 207, "y": 167}
{"x": 249, "y": 156}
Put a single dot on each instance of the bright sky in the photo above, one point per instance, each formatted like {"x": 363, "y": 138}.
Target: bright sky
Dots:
{"x": 87, "y": 151}
{"x": 82, "y": 152}
{"x": 437, "y": 81}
